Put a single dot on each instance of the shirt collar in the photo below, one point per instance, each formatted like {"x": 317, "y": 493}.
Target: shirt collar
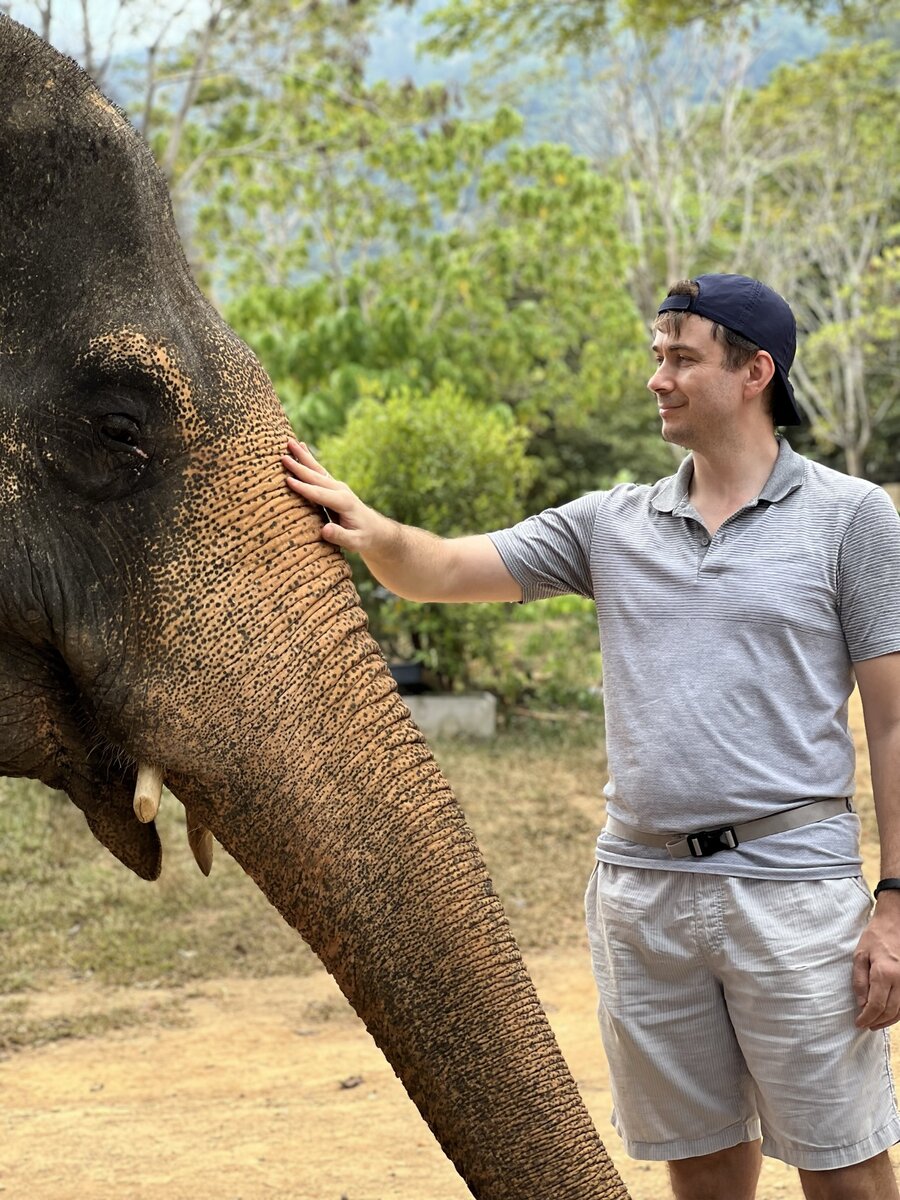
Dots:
{"x": 671, "y": 495}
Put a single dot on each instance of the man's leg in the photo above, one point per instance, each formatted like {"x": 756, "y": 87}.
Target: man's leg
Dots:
{"x": 823, "y": 1086}
{"x": 869, "y": 1180}
{"x": 726, "y": 1175}
{"x": 680, "y": 1086}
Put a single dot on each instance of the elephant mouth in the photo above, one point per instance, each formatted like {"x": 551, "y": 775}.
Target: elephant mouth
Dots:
{"x": 121, "y": 807}
{"x": 62, "y": 743}
{"x": 48, "y": 732}
{"x": 107, "y": 800}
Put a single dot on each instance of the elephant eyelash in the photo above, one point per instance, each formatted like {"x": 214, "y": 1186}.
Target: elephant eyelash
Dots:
{"x": 122, "y": 433}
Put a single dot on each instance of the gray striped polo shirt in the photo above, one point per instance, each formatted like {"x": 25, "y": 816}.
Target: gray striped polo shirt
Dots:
{"x": 727, "y": 661}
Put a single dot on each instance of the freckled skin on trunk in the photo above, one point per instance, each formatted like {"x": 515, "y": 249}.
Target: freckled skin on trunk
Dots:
{"x": 165, "y": 600}
{"x": 333, "y": 803}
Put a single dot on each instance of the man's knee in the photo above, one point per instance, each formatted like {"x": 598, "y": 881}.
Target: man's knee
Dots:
{"x": 732, "y": 1173}
{"x": 870, "y": 1180}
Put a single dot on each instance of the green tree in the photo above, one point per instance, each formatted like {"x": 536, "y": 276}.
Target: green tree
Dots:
{"x": 667, "y": 115}
{"x": 452, "y": 466}
{"x": 582, "y": 26}
{"x": 183, "y": 70}
{"x": 826, "y": 223}
{"x": 518, "y": 299}
{"x": 342, "y": 169}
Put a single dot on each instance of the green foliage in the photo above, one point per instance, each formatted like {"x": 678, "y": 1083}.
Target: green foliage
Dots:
{"x": 449, "y": 465}
{"x": 520, "y": 301}
{"x": 510, "y": 27}
{"x": 550, "y": 657}
{"x": 826, "y": 221}
{"x": 375, "y": 234}
{"x": 195, "y": 90}
{"x": 438, "y": 459}
{"x": 320, "y": 168}
{"x": 67, "y": 906}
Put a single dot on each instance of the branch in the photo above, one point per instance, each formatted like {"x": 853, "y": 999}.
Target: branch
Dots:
{"x": 171, "y": 155}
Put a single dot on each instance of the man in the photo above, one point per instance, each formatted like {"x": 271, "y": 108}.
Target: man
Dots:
{"x": 745, "y": 981}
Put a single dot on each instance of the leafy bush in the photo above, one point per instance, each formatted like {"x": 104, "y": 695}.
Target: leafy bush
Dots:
{"x": 447, "y": 464}
{"x": 550, "y": 657}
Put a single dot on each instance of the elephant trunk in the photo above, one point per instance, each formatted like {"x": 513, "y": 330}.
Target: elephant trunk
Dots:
{"x": 356, "y": 838}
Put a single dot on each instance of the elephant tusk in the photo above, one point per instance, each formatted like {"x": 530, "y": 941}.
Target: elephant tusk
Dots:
{"x": 200, "y": 841}
{"x": 147, "y": 792}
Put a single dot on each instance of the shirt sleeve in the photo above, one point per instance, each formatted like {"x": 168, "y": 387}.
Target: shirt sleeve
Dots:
{"x": 550, "y": 554}
{"x": 869, "y": 578}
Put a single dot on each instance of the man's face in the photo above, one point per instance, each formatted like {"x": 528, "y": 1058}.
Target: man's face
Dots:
{"x": 699, "y": 399}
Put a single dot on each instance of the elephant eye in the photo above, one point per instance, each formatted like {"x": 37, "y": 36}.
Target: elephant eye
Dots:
{"x": 121, "y": 432}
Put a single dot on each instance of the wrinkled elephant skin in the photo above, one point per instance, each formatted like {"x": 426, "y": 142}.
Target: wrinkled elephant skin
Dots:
{"x": 164, "y": 600}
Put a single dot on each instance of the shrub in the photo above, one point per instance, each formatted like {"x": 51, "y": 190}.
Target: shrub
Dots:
{"x": 447, "y": 464}
{"x": 550, "y": 657}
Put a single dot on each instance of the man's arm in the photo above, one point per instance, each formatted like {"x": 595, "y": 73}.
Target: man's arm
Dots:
{"x": 876, "y": 964}
{"x": 410, "y": 562}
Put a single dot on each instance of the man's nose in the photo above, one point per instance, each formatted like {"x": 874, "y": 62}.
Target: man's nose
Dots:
{"x": 659, "y": 380}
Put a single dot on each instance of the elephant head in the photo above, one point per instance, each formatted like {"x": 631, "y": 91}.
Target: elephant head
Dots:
{"x": 164, "y": 601}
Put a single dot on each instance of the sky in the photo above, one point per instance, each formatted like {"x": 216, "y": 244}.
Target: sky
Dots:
{"x": 108, "y": 18}
{"x": 133, "y": 25}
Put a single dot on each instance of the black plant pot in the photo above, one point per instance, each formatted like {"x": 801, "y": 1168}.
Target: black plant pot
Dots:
{"x": 409, "y": 677}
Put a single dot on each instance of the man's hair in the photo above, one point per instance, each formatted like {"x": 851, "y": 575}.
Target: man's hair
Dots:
{"x": 737, "y": 351}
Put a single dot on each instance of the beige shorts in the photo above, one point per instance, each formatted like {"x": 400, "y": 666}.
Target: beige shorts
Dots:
{"x": 727, "y": 1011}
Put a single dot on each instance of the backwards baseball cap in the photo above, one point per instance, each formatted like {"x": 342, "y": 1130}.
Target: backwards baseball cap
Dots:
{"x": 758, "y": 314}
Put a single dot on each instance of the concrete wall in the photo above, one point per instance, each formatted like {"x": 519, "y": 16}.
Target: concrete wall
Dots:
{"x": 473, "y": 715}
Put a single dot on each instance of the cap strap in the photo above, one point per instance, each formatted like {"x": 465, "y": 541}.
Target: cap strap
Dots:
{"x": 676, "y": 302}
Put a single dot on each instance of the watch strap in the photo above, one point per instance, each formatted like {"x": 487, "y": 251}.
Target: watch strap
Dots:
{"x": 887, "y": 885}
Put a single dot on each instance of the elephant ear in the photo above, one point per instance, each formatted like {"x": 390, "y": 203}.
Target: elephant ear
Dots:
{"x": 110, "y": 817}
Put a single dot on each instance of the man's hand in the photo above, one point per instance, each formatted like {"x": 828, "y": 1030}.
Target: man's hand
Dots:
{"x": 408, "y": 561}
{"x": 876, "y": 966}
{"x": 358, "y": 527}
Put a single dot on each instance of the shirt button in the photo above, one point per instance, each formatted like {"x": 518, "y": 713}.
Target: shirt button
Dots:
{"x": 704, "y": 541}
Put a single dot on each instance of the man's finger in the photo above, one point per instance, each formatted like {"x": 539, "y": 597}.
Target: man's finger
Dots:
{"x": 339, "y": 536}
{"x": 860, "y": 978}
{"x": 883, "y": 1023}
{"x": 302, "y": 453}
{"x": 301, "y": 470}
{"x": 302, "y": 462}
{"x": 339, "y": 500}
{"x": 875, "y": 1009}
{"x": 304, "y": 480}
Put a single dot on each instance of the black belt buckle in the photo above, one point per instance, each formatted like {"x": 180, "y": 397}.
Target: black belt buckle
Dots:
{"x": 705, "y": 842}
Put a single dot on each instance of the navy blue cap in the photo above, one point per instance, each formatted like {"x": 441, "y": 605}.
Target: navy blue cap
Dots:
{"x": 757, "y": 313}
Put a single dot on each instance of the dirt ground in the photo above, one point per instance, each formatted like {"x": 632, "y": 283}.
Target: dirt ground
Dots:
{"x": 264, "y": 1089}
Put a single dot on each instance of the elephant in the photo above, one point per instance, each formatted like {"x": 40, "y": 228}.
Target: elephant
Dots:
{"x": 169, "y": 611}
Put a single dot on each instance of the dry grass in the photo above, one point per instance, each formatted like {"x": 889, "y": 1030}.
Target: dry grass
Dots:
{"x": 69, "y": 911}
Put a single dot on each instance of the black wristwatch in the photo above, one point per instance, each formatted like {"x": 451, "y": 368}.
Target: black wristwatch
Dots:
{"x": 887, "y": 885}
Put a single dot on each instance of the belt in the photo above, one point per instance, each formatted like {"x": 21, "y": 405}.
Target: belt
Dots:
{"x": 704, "y": 842}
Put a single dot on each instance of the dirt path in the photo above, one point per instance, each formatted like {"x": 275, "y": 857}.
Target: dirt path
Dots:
{"x": 271, "y": 1089}
{"x": 268, "y": 1089}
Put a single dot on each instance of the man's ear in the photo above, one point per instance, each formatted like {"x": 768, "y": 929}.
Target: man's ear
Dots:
{"x": 760, "y": 373}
